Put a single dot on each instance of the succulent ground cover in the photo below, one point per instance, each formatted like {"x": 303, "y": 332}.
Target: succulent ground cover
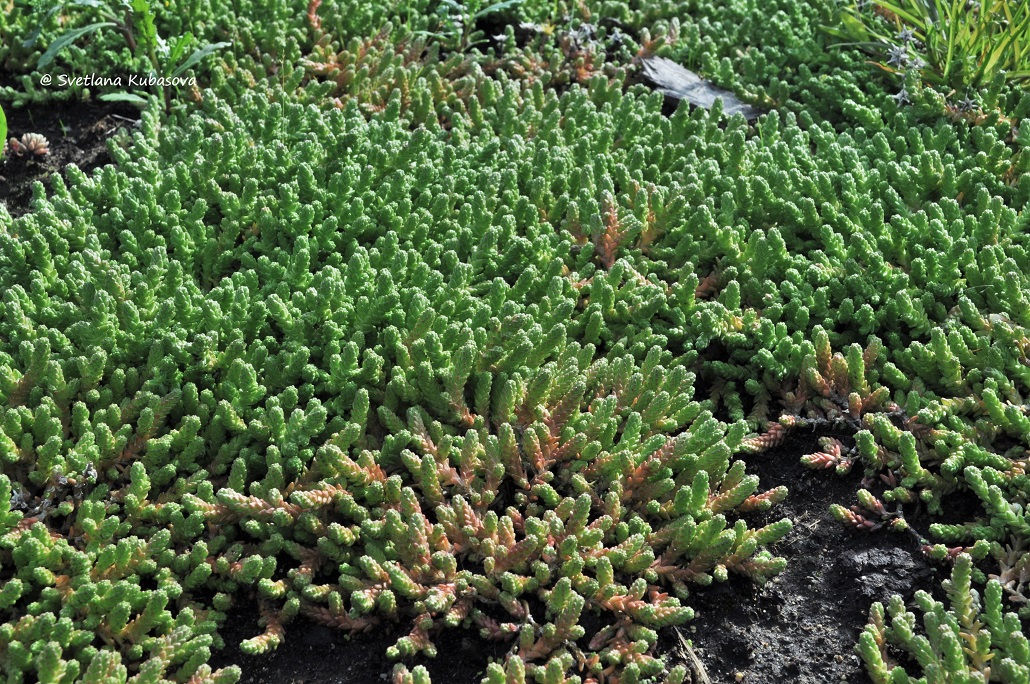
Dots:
{"x": 429, "y": 320}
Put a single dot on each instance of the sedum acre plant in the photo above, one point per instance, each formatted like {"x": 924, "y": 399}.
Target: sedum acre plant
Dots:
{"x": 366, "y": 424}
{"x": 970, "y": 640}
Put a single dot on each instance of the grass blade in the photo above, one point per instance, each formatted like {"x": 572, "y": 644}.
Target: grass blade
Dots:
{"x": 496, "y": 7}
{"x": 66, "y": 40}
{"x": 199, "y": 54}
{"x": 132, "y": 98}
{"x": 913, "y": 19}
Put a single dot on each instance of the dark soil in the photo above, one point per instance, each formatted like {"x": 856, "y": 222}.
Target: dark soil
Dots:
{"x": 313, "y": 654}
{"x": 803, "y": 624}
{"x": 78, "y": 133}
{"x": 801, "y": 627}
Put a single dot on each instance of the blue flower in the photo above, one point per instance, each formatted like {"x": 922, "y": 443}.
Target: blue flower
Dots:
{"x": 898, "y": 56}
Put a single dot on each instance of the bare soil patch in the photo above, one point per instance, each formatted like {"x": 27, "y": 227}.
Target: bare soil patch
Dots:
{"x": 802, "y": 625}
{"x": 78, "y": 133}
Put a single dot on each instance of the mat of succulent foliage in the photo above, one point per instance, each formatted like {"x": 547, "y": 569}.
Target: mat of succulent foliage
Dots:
{"x": 801, "y": 627}
{"x": 394, "y": 334}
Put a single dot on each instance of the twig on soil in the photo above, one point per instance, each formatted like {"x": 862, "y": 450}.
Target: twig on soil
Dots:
{"x": 698, "y": 675}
